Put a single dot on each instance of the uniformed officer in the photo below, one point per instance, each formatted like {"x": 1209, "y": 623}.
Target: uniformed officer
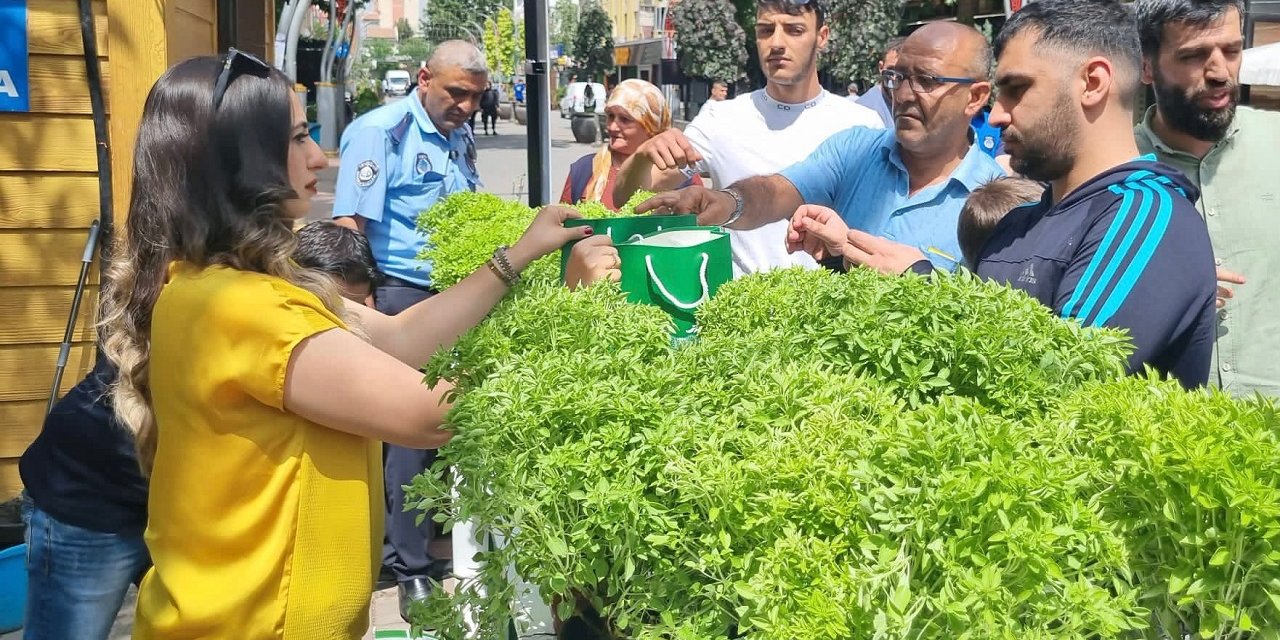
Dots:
{"x": 397, "y": 161}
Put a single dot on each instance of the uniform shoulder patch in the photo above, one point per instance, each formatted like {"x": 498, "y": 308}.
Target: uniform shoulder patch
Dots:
{"x": 366, "y": 173}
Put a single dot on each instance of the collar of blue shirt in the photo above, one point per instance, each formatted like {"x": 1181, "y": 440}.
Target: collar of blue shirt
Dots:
{"x": 420, "y": 115}
{"x": 971, "y": 171}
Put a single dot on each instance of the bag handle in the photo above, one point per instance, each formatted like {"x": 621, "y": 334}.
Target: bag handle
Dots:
{"x": 702, "y": 277}
{"x": 635, "y": 236}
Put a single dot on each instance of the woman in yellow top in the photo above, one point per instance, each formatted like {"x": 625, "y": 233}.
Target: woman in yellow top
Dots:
{"x": 256, "y": 394}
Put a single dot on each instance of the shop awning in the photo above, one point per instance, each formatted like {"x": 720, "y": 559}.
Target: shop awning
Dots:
{"x": 638, "y": 53}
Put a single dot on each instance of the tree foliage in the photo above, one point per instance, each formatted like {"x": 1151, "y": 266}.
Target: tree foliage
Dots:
{"x": 500, "y": 43}
{"x": 564, "y": 24}
{"x": 593, "y": 42}
{"x": 404, "y": 30}
{"x": 859, "y": 31}
{"x": 459, "y": 18}
{"x": 414, "y": 51}
{"x": 712, "y": 43}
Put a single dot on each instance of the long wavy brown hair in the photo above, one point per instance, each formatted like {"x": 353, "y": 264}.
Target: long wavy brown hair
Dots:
{"x": 209, "y": 188}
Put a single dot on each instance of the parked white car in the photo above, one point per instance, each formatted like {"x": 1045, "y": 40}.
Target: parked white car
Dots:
{"x": 396, "y": 82}
{"x": 575, "y": 99}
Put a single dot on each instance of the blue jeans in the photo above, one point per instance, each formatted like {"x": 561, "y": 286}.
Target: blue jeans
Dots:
{"x": 76, "y": 578}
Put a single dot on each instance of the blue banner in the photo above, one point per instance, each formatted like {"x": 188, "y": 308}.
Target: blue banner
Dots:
{"x": 14, "y": 81}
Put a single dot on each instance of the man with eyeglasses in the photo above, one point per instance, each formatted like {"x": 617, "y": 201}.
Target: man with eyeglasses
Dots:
{"x": 906, "y": 184}
{"x": 756, "y": 133}
{"x": 1116, "y": 241}
{"x": 396, "y": 162}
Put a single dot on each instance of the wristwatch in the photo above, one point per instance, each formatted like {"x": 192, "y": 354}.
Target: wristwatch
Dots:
{"x": 737, "y": 206}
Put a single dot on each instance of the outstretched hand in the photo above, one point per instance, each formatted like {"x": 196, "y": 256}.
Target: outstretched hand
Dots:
{"x": 711, "y": 207}
{"x": 881, "y": 254}
{"x": 818, "y": 231}
{"x": 547, "y": 233}
{"x": 669, "y": 150}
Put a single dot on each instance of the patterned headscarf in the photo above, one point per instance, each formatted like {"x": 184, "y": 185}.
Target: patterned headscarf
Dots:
{"x": 643, "y": 102}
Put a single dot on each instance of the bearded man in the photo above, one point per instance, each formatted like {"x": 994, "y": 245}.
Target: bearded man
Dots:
{"x": 1191, "y": 55}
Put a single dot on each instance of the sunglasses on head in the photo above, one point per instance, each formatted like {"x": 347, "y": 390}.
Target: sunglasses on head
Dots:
{"x": 237, "y": 63}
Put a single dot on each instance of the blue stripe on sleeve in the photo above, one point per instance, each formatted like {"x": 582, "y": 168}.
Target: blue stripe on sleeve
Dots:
{"x": 1117, "y": 259}
{"x": 1105, "y": 258}
{"x": 1140, "y": 260}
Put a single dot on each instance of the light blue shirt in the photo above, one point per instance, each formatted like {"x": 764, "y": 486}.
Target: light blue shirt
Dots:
{"x": 394, "y": 165}
{"x": 859, "y": 173}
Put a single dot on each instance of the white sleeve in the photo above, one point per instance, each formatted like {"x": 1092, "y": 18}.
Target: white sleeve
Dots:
{"x": 698, "y": 133}
{"x": 866, "y": 117}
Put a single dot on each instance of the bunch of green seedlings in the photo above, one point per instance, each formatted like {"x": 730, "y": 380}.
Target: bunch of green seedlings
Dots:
{"x": 849, "y": 456}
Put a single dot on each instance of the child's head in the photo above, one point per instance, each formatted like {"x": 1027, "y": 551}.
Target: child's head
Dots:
{"x": 986, "y": 206}
{"x": 340, "y": 253}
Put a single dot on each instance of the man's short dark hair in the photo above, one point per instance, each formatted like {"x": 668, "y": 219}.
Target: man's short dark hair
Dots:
{"x": 1086, "y": 28}
{"x": 1153, "y": 15}
{"x": 793, "y": 9}
{"x": 336, "y": 251}
{"x": 894, "y": 45}
{"x": 719, "y": 83}
{"x": 986, "y": 206}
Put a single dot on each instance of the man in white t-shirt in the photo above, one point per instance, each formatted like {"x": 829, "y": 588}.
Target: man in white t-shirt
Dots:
{"x": 758, "y": 133}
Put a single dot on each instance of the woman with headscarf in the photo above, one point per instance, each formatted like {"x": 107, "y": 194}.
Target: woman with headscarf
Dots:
{"x": 635, "y": 112}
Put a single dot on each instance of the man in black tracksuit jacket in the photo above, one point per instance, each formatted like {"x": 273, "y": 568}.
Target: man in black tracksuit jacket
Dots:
{"x": 1116, "y": 240}
{"x": 1126, "y": 249}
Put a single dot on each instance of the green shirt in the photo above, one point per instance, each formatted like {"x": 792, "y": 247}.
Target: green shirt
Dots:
{"x": 1239, "y": 182}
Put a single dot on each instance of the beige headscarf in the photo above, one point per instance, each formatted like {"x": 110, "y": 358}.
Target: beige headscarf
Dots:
{"x": 643, "y": 102}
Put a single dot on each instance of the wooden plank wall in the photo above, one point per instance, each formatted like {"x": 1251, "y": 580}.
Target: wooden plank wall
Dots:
{"x": 48, "y": 197}
{"x": 192, "y": 28}
{"x": 49, "y": 189}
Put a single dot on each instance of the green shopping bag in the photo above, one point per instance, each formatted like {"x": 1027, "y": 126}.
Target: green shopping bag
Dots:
{"x": 624, "y": 229}
{"x": 677, "y": 270}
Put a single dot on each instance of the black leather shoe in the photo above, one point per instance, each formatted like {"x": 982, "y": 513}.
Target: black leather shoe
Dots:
{"x": 414, "y": 590}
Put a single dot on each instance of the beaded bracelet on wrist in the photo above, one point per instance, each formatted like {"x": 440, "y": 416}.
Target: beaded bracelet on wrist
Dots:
{"x": 502, "y": 263}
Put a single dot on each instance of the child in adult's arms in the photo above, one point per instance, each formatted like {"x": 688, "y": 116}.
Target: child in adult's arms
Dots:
{"x": 269, "y": 392}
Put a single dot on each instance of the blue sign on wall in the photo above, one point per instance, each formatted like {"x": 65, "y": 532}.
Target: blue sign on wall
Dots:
{"x": 14, "y": 83}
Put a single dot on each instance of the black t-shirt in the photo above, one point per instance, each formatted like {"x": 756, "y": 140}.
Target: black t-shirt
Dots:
{"x": 82, "y": 469}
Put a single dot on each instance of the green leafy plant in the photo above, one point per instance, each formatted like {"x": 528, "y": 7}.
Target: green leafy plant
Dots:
{"x": 847, "y": 456}
{"x": 1193, "y": 484}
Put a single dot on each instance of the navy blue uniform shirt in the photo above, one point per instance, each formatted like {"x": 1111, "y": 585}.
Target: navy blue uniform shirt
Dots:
{"x": 82, "y": 469}
{"x": 1126, "y": 249}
